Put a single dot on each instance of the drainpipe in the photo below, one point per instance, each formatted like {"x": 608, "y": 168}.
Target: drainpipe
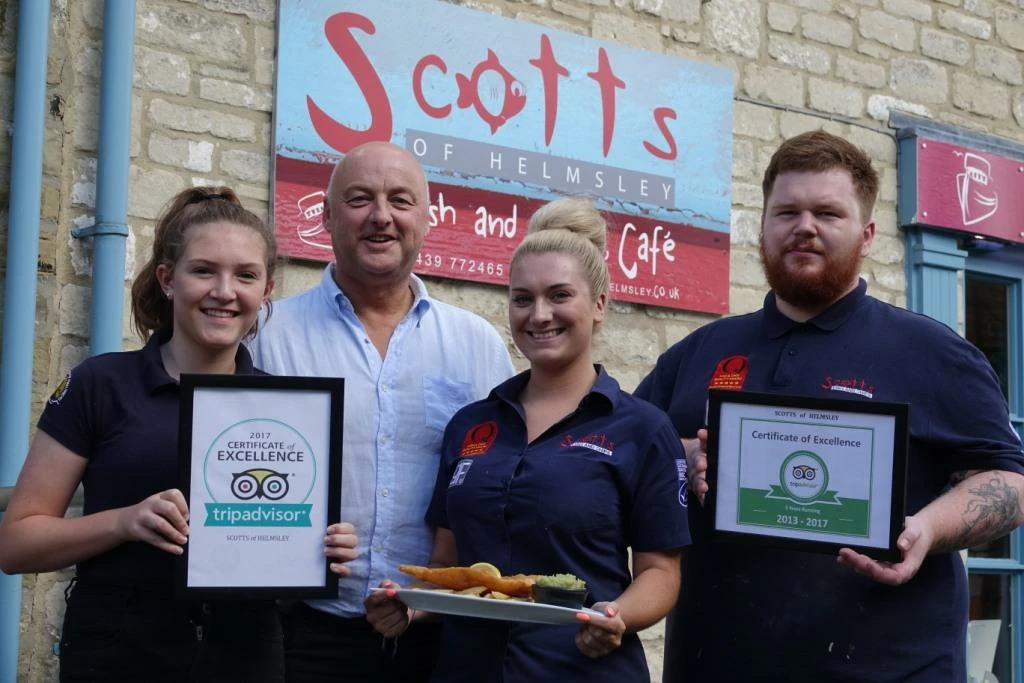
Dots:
{"x": 26, "y": 182}
{"x": 110, "y": 230}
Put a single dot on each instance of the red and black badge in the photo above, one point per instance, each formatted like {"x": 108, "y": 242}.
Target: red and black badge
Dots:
{"x": 730, "y": 373}
{"x": 479, "y": 439}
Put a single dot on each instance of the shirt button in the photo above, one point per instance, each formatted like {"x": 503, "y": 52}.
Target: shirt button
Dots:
{"x": 383, "y": 440}
{"x": 385, "y": 492}
{"x": 792, "y": 352}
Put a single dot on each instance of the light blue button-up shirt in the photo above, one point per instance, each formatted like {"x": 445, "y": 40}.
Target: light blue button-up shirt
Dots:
{"x": 439, "y": 358}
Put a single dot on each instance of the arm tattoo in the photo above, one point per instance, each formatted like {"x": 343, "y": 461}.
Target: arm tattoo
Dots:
{"x": 993, "y": 511}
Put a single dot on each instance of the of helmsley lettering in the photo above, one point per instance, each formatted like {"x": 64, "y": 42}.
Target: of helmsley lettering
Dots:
{"x": 560, "y": 174}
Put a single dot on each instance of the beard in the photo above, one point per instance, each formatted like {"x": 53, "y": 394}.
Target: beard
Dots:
{"x": 812, "y": 290}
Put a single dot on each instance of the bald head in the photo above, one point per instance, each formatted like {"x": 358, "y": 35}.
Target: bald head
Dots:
{"x": 377, "y": 150}
{"x": 377, "y": 211}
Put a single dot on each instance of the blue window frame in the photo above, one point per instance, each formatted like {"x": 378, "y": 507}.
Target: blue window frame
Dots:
{"x": 994, "y": 286}
{"x": 937, "y": 263}
{"x": 941, "y": 266}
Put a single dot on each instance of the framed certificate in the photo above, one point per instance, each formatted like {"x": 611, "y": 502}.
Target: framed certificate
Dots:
{"x": 260, "y": 467}
{"x": 807, "y": 473}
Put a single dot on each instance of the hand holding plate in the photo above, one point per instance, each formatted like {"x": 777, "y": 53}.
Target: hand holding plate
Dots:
{"x": 386, "y": 614}
{"x": 600, "y": 635}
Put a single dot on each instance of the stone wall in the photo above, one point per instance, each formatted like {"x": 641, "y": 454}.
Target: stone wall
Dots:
{"x": 201, "y": 113}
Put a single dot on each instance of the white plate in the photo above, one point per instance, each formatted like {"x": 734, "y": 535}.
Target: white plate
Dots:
{"x": 488, "y": 608}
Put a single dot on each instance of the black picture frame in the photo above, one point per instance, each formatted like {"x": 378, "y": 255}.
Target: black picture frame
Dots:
{"x": 813, "y": 539}
{"x": 281, "y": 388}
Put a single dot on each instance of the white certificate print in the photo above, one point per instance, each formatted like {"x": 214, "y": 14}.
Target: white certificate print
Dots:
{"x": 824, "y": 471}
{"x": 259, "y": 487}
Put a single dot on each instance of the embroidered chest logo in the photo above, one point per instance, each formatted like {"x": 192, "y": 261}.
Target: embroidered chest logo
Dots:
{"x": 849, "y": 385}
{"x": 479, "y": 439}
{"x": 595, "y": 442}
{"x": 730, "y": 373}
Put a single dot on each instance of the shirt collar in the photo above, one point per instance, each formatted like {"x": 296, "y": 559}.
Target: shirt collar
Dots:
{"x": 421, "y": 299}
{"x": 243, "y": 361}
{"x": 605, "y": 389}
{"x": 828, "y": 320}
{"x": 153, "y": 374}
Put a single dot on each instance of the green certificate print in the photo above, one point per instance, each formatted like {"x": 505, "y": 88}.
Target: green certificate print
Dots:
{"x": 801, "y": 477}
{"x": 807, "y": 472}
{"x": 259, "y": 472}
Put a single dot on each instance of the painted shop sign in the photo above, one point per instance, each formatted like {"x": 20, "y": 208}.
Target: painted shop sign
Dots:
{"x": 969, "y": 190}
{"x": 506, "y": 115}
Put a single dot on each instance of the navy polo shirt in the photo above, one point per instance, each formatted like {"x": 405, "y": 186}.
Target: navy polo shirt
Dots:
{"x": 120, "y": 412}
{"x": 756, "y": 614}
{"x": 607, "y": 477}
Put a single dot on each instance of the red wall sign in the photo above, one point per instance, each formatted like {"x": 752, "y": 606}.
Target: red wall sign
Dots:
{"x": 505, "y": 115}
{"x": 474, "y": 233}
{"x": 969, "y": 190}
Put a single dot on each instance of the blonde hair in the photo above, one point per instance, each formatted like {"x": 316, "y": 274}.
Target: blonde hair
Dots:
{"x": 570, "y": 226}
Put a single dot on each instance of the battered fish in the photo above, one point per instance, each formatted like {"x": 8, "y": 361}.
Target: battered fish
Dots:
{"x": 461, "y": 578}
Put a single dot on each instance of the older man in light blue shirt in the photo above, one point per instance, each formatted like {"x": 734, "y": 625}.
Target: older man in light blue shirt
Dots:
{"x": 409, "y": 363}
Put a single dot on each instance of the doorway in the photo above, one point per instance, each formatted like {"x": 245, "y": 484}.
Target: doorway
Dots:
{"x": 993, "y": 318}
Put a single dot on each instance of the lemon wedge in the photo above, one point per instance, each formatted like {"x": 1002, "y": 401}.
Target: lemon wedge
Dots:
{"x": 486, "y": 567}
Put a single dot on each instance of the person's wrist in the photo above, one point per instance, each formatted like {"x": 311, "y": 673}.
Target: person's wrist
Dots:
{"x": 122, "y": 523}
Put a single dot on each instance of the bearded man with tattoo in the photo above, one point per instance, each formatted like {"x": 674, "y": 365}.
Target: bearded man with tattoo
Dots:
{"x": 763, "y": 614}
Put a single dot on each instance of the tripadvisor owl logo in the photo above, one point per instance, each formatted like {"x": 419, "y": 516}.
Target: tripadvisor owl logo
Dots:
{"x": 803, "y": 478}
{"x": 259, "y": 473}
{"x": 260, "y": 483}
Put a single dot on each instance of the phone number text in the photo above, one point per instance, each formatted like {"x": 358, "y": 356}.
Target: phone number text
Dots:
{"x": 458, "y": 264}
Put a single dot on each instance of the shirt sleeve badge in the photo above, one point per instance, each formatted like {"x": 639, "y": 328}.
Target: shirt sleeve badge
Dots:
{"x": 683, "y": 486}
{"x": 61, "y": 391}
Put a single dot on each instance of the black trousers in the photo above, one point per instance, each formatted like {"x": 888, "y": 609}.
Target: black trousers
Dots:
{"x": 117, "y": 632}
{"x": 323, "y": 648}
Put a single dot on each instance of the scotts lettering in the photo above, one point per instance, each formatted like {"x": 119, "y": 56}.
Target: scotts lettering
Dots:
{"x": 489, "y": 75}
{"x": 849, "y": 385}
{"x": 595, "y": 442}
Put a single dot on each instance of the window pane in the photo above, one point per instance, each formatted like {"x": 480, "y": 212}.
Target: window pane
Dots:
{"x": 990, "y": 599}
{"x": 988, "y": 328}
{"x": 987, "y": 324}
